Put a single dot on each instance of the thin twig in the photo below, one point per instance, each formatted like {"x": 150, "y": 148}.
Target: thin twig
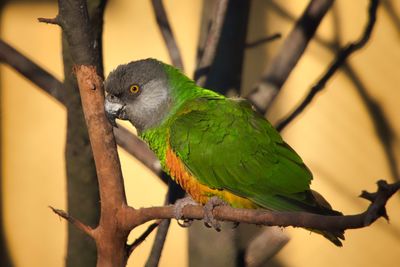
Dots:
{"x": 158, "y": 245}
{"x": 50, "y": 20}
{"x": 292, "y": 49}
{"x": 168, "y": 35}
{"x": 143, "y": 237}
{"x": 212, "y": 40}
{"x": 78, "y": 224}
{"x": 340, "y": 59}
{"x": 264, "y": 40}
{"x": 381, "y": 123}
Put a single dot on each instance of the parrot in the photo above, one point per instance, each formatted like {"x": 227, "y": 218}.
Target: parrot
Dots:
{"x": 212, "y": 145}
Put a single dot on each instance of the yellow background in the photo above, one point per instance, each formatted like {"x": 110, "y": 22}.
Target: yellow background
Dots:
{"x": 335, "y": 136}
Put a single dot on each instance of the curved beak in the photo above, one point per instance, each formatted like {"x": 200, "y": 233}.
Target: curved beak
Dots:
{"x": 114, "y": 109}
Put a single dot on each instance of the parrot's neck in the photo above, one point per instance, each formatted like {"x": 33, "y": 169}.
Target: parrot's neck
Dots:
{"x": 182, "y": 90}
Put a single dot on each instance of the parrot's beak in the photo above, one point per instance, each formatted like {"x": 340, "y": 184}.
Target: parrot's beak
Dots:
{"x": 114, "y": 109}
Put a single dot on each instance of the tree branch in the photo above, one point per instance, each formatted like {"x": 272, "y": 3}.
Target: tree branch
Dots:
{"x": 54, "y": 21}
{"x": 78, "y": 224}
{"x": 31, "y": 71}
{"x": 110, "y": 238}
{"x": 340, "y": 59}
{"x": 296, "y": 219}
{"x": 211, "y": 42}
{"x": 293, "y": 48}
{"x": 158, "y": 245}
{"x": 263, "y": 40}
{"x": 166, "y": 31}
{"x": 143, "y": 237}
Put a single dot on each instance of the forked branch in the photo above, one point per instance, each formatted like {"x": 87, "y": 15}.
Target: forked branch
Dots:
{"x": 339, "y": 60}
{"x": 291, "y": 51}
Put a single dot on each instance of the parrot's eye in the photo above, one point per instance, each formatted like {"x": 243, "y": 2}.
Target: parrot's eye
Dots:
{"x": 134, "y": 88}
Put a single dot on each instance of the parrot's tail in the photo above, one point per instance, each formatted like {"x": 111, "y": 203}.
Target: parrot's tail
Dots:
{"x": 326, "y": 209}
{"x": 334, "y": 237}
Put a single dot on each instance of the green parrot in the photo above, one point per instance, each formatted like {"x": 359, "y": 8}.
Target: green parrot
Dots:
{"x": 211, "y": 145}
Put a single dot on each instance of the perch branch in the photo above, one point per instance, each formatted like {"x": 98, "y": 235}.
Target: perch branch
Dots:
{"x": 292, "y": 49}
{"x": 166, "y": 31}
{"x": 262, "y": 217}
{"x": 212, "y": 41}
{"x": 135, "y": 217}
{"x": 340, "y": 59}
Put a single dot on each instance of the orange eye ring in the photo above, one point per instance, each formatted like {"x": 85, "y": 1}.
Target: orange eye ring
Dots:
{"x": 134, "y": 88}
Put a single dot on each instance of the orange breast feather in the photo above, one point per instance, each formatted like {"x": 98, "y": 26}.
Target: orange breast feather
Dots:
{"x": 199, "y": 192}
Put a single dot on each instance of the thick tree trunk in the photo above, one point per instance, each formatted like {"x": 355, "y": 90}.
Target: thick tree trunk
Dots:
{"x": 82, "y": 185}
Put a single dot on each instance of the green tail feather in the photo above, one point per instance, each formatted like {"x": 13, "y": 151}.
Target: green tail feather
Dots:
{"x": 334, "y": 237}
{"x": 323, "y": 207}
{"x": 313, "y": 203}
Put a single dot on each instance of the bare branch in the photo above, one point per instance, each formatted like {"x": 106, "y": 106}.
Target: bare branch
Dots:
{"x": 264, "y": 246}
{"x": 264, "y": 40}
{"x": 212, "y": 40}
{"x": 50, "y": 20}
{"x": 31, "y": 71}
{"x": 158, "y": 245}
{"x": 293, "y": 48}
{"x": 340, "y": 59}
{"x": 262, "y": 217}
{"x": 166, "y": 31}
{"x": 112, "y": 192}
{"x": 78, "y": 224}
{"x": 143, "y": 237}
{"x": 109, "y": 236}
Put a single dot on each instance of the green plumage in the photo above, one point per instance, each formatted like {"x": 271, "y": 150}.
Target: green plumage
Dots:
{"x": 226, "y": 145}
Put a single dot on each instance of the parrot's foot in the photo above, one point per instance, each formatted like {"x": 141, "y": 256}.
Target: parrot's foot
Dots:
{"x": 209, "y": 219}
{"x": 178, "y": 211}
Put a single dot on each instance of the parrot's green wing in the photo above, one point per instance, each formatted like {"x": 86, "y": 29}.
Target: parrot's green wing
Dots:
{"x": 226, "y": 145}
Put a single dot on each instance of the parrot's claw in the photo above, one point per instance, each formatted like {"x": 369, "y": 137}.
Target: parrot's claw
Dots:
{"x": 209, "y": 219}
{"x": 178, "y": 211}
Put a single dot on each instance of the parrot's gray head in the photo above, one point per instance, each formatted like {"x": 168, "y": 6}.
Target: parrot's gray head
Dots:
{"x": 138, "y": 92}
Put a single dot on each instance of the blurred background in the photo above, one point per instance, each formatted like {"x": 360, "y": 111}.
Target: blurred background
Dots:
{"x": 338, "y": 136}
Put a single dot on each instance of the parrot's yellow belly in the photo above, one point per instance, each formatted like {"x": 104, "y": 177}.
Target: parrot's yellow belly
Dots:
{"x": 199, "y": 192}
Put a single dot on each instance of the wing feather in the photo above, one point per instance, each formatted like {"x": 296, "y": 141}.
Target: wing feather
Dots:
{"x": 226, "y": 145}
